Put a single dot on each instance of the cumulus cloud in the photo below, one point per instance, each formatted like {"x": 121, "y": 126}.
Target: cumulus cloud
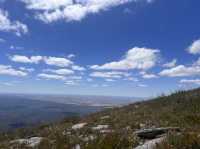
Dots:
{"x": 74, "y": 77}
{"x": 110, "y": 80}
{"x": 190, "y": 81}
{"x": 78, "y": 68}
{"x": 25, "y": 59}
{"x": 60, "y": 71}
{"x": 170, "y": 64}
{"x": 63, "y": 75}
{"x": 53, "y": 61}
{"x": 148, "y": 76}
{"x": 51, "y": 76}
{"x": 9, "y": 70}
{"x": 46, "y": 4}
{"x": 27, "y": 69}
{"x": 131, "y": 79}
{"x": 112, "y": 74}
{"x": 197, "y": 63}
{"x": 135, "y": 58}
{"x": 57, "y": 61}
{"x": 181, "y": 71}
{"x": 71, "y": 82}
{"x": 71, "y": 10}
{"x": 6, "y": 25}
{"x": 71, "y": 56}
{"x": 194, "y": 48}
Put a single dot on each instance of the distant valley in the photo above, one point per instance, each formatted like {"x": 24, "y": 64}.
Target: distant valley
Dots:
{"x": 20, "y": 110}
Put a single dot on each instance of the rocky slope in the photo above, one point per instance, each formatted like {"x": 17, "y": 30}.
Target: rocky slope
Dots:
{"x": 162, "y": 123}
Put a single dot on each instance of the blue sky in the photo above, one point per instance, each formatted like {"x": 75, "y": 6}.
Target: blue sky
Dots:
{"x": 118, "y": 47}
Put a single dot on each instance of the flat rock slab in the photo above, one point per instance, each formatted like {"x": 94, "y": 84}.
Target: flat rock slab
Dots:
{"x": 151, "y": 144}
{"x": 154, "y": 132}
{"x": 31, "y": 142}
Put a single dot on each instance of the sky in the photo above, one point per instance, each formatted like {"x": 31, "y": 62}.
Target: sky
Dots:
{"x": 138, "y": 48}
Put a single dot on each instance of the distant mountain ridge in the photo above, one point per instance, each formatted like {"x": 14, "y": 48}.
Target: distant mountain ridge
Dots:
{"x": 87, "y": 100}
{"x": 23, "y": 110}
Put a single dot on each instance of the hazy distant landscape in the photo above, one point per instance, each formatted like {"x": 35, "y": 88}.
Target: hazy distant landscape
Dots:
{"x": 19, "y": 110}
{"x": 88, "y": 100}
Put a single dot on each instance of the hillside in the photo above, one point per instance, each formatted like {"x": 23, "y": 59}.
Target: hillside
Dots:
{"x": 17, "y": 111}
{"x": 116, "y": 128}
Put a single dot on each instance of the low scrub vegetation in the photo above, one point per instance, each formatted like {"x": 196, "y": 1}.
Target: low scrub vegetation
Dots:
{"x": 181, "y": 109}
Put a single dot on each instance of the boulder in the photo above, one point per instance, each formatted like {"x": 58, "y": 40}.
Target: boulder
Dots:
{"x": 154, "y": 132}
{"x": 78, "y": 126}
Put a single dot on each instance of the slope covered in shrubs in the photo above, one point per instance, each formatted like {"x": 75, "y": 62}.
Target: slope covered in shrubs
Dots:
{"x": 114, "y": 128}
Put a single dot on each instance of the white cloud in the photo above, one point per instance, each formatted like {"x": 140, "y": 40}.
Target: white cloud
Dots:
{"x": 57, "y": 61}
{"x": 53, "y": 61}
{"x": 8, "y": 70}
{"x": 71, "y": 82}
{"x": 146, "y": 75}
{"x": 51, "y": 77}
{"x": 59, "y": 75}
{"x": 180, "y": 71}
{"x": 112, "y": 74}
{"x": 135, "y": 58}
{"x": 131, "y": 79}
{"x": 190, "y": 81}
{"x": 71, "y": 10}
{"x": 46, "y": 4}
{"x": 27, "y": 69}
{"x": 149, "y": 76}
{"x": 25, "y": 59}
{"x": 89, "y": 79}
{"x": 142, "y": 85}
{"x": 170, "y": 64}
{"x": 6, "y": 25}
{"x": 110, "y": 80}
{"x": 60, "y": 71}
{"x": 78, "y": 68}
{"x": 12, "y": 47}
{"x": 194, "y": 48}
{"x": 71, "y": 56}
{"x": 74, "y": 77}
{"x": 197, "y": 63}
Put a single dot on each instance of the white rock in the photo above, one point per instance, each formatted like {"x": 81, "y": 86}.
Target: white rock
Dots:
{"x": 151, "y": 144}
{"x": 78, "y": 126}
{"x": 105, "y": 117}
{"x": 106, "y": 131}
{"x": 142, "y": 125}
{"x": 77, "y": 146}
{"x": 66, "y": 132}
{"x": 31, "y": 142}
{"x": 99, "y": 127}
